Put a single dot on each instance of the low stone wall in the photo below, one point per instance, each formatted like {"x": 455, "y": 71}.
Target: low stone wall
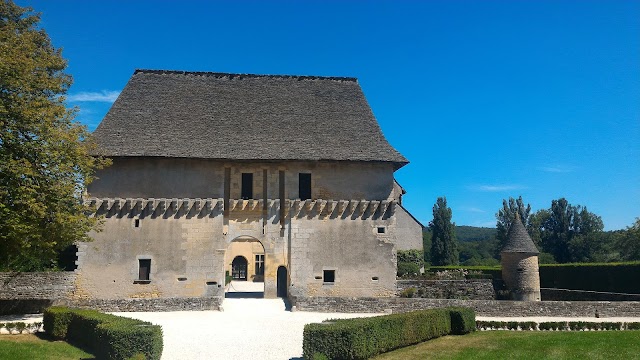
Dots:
{"x": 154, "y": 304}
{"x": 471, "y": 289}
{"x": 31, "y": 292}
{"x": 482, "y": 307}
{"x": 36, "y": 285}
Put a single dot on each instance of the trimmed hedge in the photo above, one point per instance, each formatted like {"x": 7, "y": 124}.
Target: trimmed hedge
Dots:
{"x": 105, "y": 336}
{"x": 557, "y": 325}
{"x": 463, "y": 320}
{"x": 605, "y": 277}
{"x": 363, "y": 338}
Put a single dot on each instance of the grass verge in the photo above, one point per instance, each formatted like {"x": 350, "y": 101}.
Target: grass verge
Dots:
{"x": 526, "y": 345}
{"x": 38, "y": 347}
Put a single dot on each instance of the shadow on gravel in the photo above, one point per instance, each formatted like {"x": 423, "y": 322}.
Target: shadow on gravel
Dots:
{"x": 244, "y": 295}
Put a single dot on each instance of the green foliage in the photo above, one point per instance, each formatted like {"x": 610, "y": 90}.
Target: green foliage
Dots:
{"x": 571, "y": 233}
{"x": 56, "y": 321}
{"x": 463, "y": 320}
{"x": 408, "y": 292}
{"x": 45, "y": 160}
{"x": 473, "y": 233}
{"x": 610, "y": 277}
{"x": 407, "y": 269}
{"x": 444, "y": 249}
{"x": 505, "y": 217}
{"x": 107, "y": 336}
{"x": 365, "y": 337}
{"x": 632, "y": 326}
{"x": 628, "y": 242}
{"x": 412, "y": 256}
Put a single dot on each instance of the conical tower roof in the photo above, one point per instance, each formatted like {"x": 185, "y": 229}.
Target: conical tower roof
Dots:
{"x": 518, "y": 240}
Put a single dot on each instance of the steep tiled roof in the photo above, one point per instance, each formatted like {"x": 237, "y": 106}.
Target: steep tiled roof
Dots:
{"x": 518, "y": 240}
{"x": 243, "y": 117}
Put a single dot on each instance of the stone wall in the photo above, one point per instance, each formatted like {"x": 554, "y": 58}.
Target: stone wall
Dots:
{"x": 159, "y": 304}
{"x": 472, "y": 289}
{"x": 26, "y": 293}
{"x": 482, "y": 307}
{"x": 36, "y": 285}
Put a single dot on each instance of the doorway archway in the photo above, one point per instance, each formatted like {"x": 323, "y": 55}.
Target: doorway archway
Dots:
{"x": 282, "y": 282}
{"x": 239, "y": 268}
{"x": 244, "y": 267}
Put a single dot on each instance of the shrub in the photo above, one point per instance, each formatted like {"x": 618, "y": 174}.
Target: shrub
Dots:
{"x": 106, "y": 336}
{"x": 20, "y": 326}
{"x": 56, "y": 321}
{"x": 365, "y": 337}
{"x": 408, "y": 292}
{"x": 463, "y": 320}
{"x": 633, "y": 326}
{"x": 407, "y": 268}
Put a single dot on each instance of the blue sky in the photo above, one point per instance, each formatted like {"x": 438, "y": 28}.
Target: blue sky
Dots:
{"x": 487, "y": 99}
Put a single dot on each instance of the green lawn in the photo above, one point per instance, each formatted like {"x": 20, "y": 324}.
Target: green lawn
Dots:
{"x": 528, "y": 345}
{"x": 31, "y": 347}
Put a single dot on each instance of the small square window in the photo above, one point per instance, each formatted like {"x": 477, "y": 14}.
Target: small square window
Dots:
{"x": 329, "y": 276}
{"x": 381, "y": 229}
{"x": 144, "y": 269}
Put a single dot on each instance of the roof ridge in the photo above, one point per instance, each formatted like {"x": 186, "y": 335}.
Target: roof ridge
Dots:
{"x": 240, "y": 76}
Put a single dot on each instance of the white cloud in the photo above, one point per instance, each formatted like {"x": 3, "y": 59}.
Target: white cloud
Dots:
{"x": 101, "y": 96}
{"x": 557, "y": 169}
{"x": 497, "y": 188}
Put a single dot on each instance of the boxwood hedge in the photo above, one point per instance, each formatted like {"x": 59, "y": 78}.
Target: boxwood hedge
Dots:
{"x": 105, "y": 336}
{"x": 363, "y": 338}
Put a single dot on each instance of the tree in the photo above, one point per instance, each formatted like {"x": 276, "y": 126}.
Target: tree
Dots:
{"x": 571, "y": 233}
{"x": 629, "y": 242}
{"x": 443, "y": 238}
{"x": 505, "y": 217}
{"x": 45, "y": 156}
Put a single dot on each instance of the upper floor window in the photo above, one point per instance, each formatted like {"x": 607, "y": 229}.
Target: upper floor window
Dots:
{"x": 247, "y": 186}
{"x": 304, "y": 186}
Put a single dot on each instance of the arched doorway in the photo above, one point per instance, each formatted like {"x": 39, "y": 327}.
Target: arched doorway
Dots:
{"x": 239, "y": 268}
{"x": 282, "y": 282}
{"x": 244, "y": 268}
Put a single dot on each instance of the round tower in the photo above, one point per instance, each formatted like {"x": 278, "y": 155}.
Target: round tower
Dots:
{"x": 520, "y": 264}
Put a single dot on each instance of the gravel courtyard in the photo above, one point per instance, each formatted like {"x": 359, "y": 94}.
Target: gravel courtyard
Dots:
{"x": 246, "y": 329}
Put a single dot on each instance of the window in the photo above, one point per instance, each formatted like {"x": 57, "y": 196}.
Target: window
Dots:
{"x": 247, "y": 186}
{"x": 260, "y": 264}
{"x": 329, "y": 276}
{"x": 381, "y": 230}
{"x": 144, "y": 269}
{"x": 304, "y": 186}
{"x": 136, "y": 223}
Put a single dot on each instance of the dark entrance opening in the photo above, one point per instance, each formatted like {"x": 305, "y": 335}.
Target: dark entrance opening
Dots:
{"x": 239, "y": 268}
{"x": 282, "y": 282}
{"x": 247, "y": 186}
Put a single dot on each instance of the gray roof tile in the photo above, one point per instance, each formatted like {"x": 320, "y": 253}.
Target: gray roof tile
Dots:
{"x": 518, "y": 240}
{"x": 243, "y": 117}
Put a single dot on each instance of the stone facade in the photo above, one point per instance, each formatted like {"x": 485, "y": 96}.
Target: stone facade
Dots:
{"x": 187, "y": 238}
{"x": 482, "y": 307}
{"x": 472, "y": 289}
{"x": 520, "y": 274}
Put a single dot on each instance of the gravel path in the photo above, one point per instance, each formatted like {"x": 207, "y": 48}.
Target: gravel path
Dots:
{"x": 246, "y": 329}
